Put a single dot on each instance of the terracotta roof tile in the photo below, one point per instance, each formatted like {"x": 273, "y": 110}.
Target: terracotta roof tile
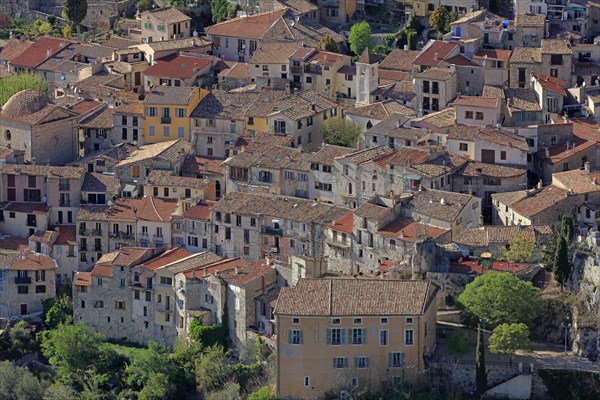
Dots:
{"x": 30, "y": 261}
{"x": 39, "y": 51}
{"x": 344, "y": 224}
{"x": 556, "y": 46}
{"x": 487, "y": 133}
{"x": 577, "y": 180}
{"x": 495, "y": 170}
{"x": 146, "y": 208}
{"x": 559, "y": 153}
{"x": 477, "y": 101}
{"x": 526, "y": 55}
{"x": 246, "y": 274}
{"x": 66, "y": 235}
{"x": 552, "y": 84}
{"x": 101, "y": 271}
{"x": 493, "y": 54}
{"x": 166, "y": 178}
{"x": 399, "y": 60}
{"x": 439, "y": 204}
{"x": 82, "y": 279}
{"x": 9, "y": 244}
{"x": 176, "y": 66}
{"x": 427, "y": 57}
{"x": 381, "y": 110}
{"x": 168, "y": 257}
{"x": 13, "y": 49}
{"x": 539, "y": 201}
{"x": 355, "y": 297}
{"x": 200, "y": 211}
{"x": 252, "y": 27}
{"x": 524, "y": 20}
{"x": 167, "y": 15}
{"x": 44, "y": 170}
{"x": 408, "y": 230}
{"x": 29, "y": 208}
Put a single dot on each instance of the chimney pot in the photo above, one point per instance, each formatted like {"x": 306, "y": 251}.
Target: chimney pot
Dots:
{"x": 539, "y": 184}
{"x": 436, "y": 56}
{"x": 586, "y": 167}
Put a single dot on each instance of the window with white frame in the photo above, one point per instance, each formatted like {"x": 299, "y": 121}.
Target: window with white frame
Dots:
{"x": 396, "y": 359}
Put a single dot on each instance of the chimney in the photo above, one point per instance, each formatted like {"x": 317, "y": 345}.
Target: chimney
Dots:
{"x": 236, "y": 271}
{"x": 442, "y": 201}
{"x": 547, "y": 152}
{"x": 48, "y": 52}
{"x": 193, "y": 274}
{"x": 436, "y": 56}
{"x": 595, "y": 181}
{"x": 586, "y": 167}
{"x": 267, "y": 259}
{"x": 406, "y": 48}
{"x": 568, "y": 144}
{"x": 539, "y": 184}
{"x": 391, "y": 194}
{"x": 398, "y": 124}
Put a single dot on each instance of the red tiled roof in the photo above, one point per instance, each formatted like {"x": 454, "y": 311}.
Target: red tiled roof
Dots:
{"x": 146, "y": 208}
{"x": 66, "y": 234}
{"x": 31, "y": 261}
{"x": 464, "y": 267}
{"x": 462, "y": 61}
{"x": 103, "y": 271}
{"x": 176, "y": 66}
{"x": 247, "y": 273}
{"x": 343, "y": 224}
{"x": 442, "y": 49}
{"x": 214, "y": 267}
{"x": 13, "y": 49}
{"x": 324, "y": 57}
{"x": 502, "y": 55}
{"x": 552, "y": 84}
{"x": 40, "y": 50}
{"x": 586, "y": 129}
{"x": 408, "y": 230}
{"x": 168, "y": 257}
{"x": 83, "y": 279}
{"x": 200, "y": 210}
{"x": 84, "y": 106}
{"x": 253, "y": 26}
{"x": 391, "y": 75}
{"x": 533, "y": 204}
{"x": 128, "y": 256}
{"x": 560, "y": 152}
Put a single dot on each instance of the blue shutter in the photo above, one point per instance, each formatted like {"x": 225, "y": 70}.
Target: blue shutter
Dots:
{"x": 290, "y": 336}
{"x": 350, "y": 336}
{"x": 301, "y": 337}
{"x": 342, "y": 336}
{"x": 402, "y": 359}
{"x": 367, "y": 362}
{"x": 390, "y": 358}
{"x": 356, "y": 362}
{"x": 329, "y": 336}
{"x": 364, "y": 335}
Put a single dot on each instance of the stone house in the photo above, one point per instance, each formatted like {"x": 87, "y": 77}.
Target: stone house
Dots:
{"x": 571, "y": 154}
{"x": 94, "y": 130}
{"x": 252, "y": 225}
{"x": 470, "y": 75}
{"x": 198, "y": 227}
{"x": 323, "y": 173}
{"x": 272, "y": 60}
{"x": 393, "y": 133}
{"x": 218, "y": 121}
{"x": 370, "y": 115}
{"x": 522, "y": 107}
{"x": 104, "y": 160}
{"x": 22, "y": 219}
{"x": 153, "y": 51}
{"x": 28, "y": 278}
{"x": 488, "y": 145}
{"x": 161, "y": 24}
{"x": 92, "y": 235}
{"x": 529, "y": 7}
{"x": 165, "y": 156}
{"x": 36, "y": 53}
{"x": 61, "y": 245}
{"x": 32, "y": 124}
{"x": 529, "y": 30}
{"x": 434, "y": 54}
{"x": 435, "y": 88}
{"x": 495, "y": 64}
{"x": 476, "y": 110}
{"x": 495, "y": 239}
{"x": 129, "y": 63}
{"x": 57, "y": 187}
{"x": 179, "y": 70}
{"x": 128, "y": 124}
{"x": 554, "y": 58}
{"x": 99, "y": 188}
{"x": 551, "y": 95}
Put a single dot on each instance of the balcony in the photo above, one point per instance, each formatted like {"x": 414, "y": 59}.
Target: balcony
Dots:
{"x": 296, "y": 69}
{"x": 331, "y": 4}
{"x": 22, "y": 280}
{"x": 98, "y": 248}
{"x": 96, "y": 232}
{"x": 273, "y": 231}
{"x": 158, "y": 238}
{"x": 65, "y": 203}
{"x": 143, "y": 236}
{"x": 165, "y": 120}
{"x": 64, "y": 187}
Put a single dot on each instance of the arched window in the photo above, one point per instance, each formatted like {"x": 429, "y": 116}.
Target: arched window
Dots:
{"x": 7, "y": 135}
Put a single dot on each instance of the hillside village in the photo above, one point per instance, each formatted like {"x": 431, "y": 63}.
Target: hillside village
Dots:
{"x": 365, "y": 181}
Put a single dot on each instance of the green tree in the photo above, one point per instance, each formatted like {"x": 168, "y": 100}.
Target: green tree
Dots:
{"x": 228, "y": 391}
{"x": 220, "y": 10}
{"x": 18, "y": 383}
{"x": 73, "y": 351}
{"x": 341, "y": 132}
{"x": 390, "y": 40}
{"x": 211, "y": 368}
{"x": 439, "y": 18}
{"x": 506, "y": 339}
{"x": 21, "y": 340}
{"x": 561, "y": 266}
{"x": 157, "y": 387}
{"x": 264, "y": 393}
{"x": 458, "y": 345}
{"x": 500, "y": 297}
{"x": 328, "y": 44}
{"x": 145, "y": 5}
{"x": 567, "y": 227}
{"x": 360, "y": 37}
{"x": 480, "y": 370}
{"x": 412, "y": 39}
{"x": 209, "y": 335}
{"x": 521, "y": 249}
{"x": 75, "y": 11}
{"x": 57, "y": 311}
{"x": 12, "y": 84}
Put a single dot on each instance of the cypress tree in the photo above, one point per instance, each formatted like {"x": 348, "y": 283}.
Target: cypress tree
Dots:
{"x": 480, "y": 372}
{"x": 561, "y": 266}
{"x": 567, "y": 227}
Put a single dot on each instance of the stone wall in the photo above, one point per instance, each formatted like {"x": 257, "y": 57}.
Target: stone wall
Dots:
{"x": 462, "y": 376}
{"x": 451, "y": 285}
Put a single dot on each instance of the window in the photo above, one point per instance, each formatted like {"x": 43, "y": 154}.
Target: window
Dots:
{"x": 425, "y": 86}
{"x": 265, "y": 176}
{"x": 327, "y": 168}
{"x": 357, "y": 321}
{"x": 358, "y": 336}
{"x": 295, "y": 320}
{"x": 23, "y": 289}
{"x": 384, "y": 321}
{"x": 435, "y": 88}
{"x": 383, "y": 337}
{"x": 335, "y": 336}
{"x": 463, "y": 146}
{"x": 479, "y": 116}
{"x": 166, "y": 131}
{"x": 409, "y": 337}
{"x": 309, "y": 79}
{"x": 503, "y": 155}
{"x": 307, "y": 381}
{"x": 468, "y": 114}
{"x": 289, "y": 175}
{"x": 98, "y": 304}
{"x": 295, "y": 336}
{"x": 181, "y": 131}
{"x": 554, "y": 72}
{"x": 279, "y": 126}
{"x": 396, "y": 359}
{"x": 152, "y": 130}
{"x": 151, "y": 111}
{"x": 164, "y": 280}
{"x": 340, "y": 362}
{"x": 180, "y": 112}
{"x": 361, "y": 362}
{"x": 336, "y": 321}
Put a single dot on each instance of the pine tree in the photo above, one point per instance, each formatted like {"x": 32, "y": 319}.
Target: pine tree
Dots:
{"x": 561, "y": 267}
{"x": 75, "y": 11}
{"x": 480, "y": 372}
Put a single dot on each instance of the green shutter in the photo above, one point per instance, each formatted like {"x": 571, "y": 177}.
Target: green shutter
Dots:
{"x": 329, "y": 336}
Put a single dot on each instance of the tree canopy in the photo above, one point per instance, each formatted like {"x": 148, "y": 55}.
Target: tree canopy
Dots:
{"x": 480, "y": 369}
{"x": 18, "y": 383}
{"x": 521, "y": 249}
{"x": 341, "y": 132}
{"x": 58, "y": 310}
{"x": 561, "y": 266}
{"x": 360, "y": 37}
{"x": 508, "y": 338}
{"x": 458, "y": 345}
{"x": 75, "y": 11}
{"x": 439, "y": 18}
{"x": 500, "y": 297}
{"x": 222, "y": 10}
{"x": 328, "y": 44}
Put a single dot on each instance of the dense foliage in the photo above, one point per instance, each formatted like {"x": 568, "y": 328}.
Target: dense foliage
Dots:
{"x": 506, "y": 339}
{"x": 75, "y": 12}
{"x": 360, "y": 37}
{"x": 439, "y": 18}
{"x": 15, "y": 83}
{"x": 56, "y": 311}
{"x": 222, "y": 10}
{"x": 328, "y": 44}
{"x": 498, "y": 298}
{"x": 520, "y": 249}
{"x": 341, "y": 132}
{"x": 570, "y": 384}
{"x": 458, "y": 345}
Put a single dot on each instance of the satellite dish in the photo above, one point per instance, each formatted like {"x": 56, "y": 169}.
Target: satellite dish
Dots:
{"x": 296, "y": 18}
{"x": 109, "y": 203}
{"x": 44, "y": 199}
{"x": 292, "y": 23}
{"x": 195, "y": 33}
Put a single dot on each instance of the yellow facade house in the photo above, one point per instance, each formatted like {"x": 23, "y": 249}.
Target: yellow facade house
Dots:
{"x": 346, "y": 335}
{"x": 167, "y": 112}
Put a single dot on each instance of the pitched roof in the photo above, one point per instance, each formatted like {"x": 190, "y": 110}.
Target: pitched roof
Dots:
{"x": 493, "y": 54}
{"x": 556, "y": 46}
{"x": 439, "y": 204}
{"x": 96, "y": 182}
{"x": 355, "y": 297}
{"x": 492, "y": 91}
{"x": 462, "y": 61}
{"x": 381, "y": 110}
{"x": 274, "y": 52}
{"x": 561, "y": 152}
{"x": 539, "y": 200}
{"x": 366, "y": 155}
{"x": 488, "y": 133}
{"x": 440, "y": 74}
{"x": 302, "y": 105}
{"x": 552, "y": 84}
{"x": 118, "y": 43}
{"x": 82, "y": 279}
{"x": 530, "y": 19}
{"x": 40, "y": 50}
{"x": 14, "y": 48}
{"x": 399, "y": 59}
{"x": 169, "y": 15}
{"x": 159, "y": 177}
{"x": 200, "y": 211}
{"x": 433, "y": 49}
{"x": 253, "y": 26}
{"x": 477, "y": 101}
{"x": 176, "y": 95}
{"x": 30, "y": 261}
{"x": 328, "y": 153}
{"x": 101, "y": 119}
{"x": 43, "y": 170}
{"x": 168, "y": 257}
{"x": 577, "y": 181}
{"x": 219, "y": 104}
{"x": 274, "y": 157}
{"x": 495, "y": 170}
{"x": 440, "y": 119}
{"x": 176, "y": 66}
{"x": 509, "y": 198}
{"x": 23, "y": 207}
{"x": 169, "y": 151}
{"x": 408, "y": 230}
{"x": 291, "y": 208}
{"x": 368, "y": 57}
{"x": 343, "y": 224}
{"x": 129, "y": 256}
{"x": 526, "y": 55}
{"x": 146, "y": 209}
{"x": 486, "y": 235}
